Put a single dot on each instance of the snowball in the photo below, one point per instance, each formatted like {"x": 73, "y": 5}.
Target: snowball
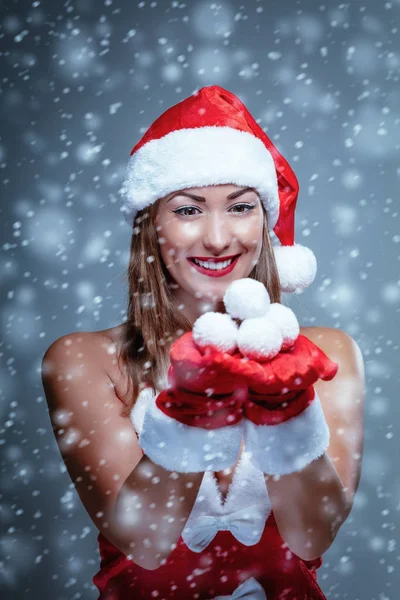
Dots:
{"x": 259, "y": 339}
{"x": 285, "y": 319}
{"x": 246, "y": 298}
{"x": 217, "y": 330}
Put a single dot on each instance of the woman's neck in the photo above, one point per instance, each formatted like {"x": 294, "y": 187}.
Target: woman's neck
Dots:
{"x": 192, "y": 308}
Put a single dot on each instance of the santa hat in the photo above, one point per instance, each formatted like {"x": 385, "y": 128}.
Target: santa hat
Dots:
{"x": 211, "y": 138}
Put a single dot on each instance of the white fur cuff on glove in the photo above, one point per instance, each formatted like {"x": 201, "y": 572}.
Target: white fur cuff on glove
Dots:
{"x": 186, "y": 449}
{"x": 291, "y": 445}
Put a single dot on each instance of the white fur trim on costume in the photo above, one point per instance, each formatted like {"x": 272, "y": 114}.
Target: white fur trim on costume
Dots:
{"x": 259, "y": 339}
{"x": 243, "y": 514}
{"x": 217, "y": 330}
{"x": 297, "y": 266}
{"x": 290, "y": 446}
{"x": 199, "y": 156}
{"x": 179, "y": 447}
{"x": 246, "y": 298}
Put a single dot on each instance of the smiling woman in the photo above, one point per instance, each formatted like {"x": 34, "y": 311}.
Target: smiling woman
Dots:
{"x": 169, "y": 418}
{"x": 214, "y": 233}
{"x": 168, "y": 293}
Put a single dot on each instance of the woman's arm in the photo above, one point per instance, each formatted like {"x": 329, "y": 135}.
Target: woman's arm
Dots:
{"x": 103, "y": 457}
{"x": 311, "y": 505}
{"x": 154, "y": 504}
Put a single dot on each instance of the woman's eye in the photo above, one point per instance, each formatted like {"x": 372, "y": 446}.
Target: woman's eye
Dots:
{"x": 248, "y": 206}
{"x": 184, "y": 208}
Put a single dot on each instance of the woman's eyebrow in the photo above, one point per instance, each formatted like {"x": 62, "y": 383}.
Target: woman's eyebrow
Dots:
{"x": 202, "y": 199}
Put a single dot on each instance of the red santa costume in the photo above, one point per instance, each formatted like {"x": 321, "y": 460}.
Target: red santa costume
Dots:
{"x": 237, "y": 542}
{"x": 231, "y": 549}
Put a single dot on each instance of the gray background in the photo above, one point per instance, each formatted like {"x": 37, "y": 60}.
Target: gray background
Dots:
{"x": 81, "y": 82}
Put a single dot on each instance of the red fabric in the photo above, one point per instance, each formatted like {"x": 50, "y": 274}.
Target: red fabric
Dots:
{"x": 266, "y": 393}
{"x": 202, "y": 410}
{"x": 296, "y": 368}
{"x": 217, "y": 570}
{"x": 200, "y": 395}
{"x": 213, "y": 411}
{"x": 268, "y": 409}
{"x": 190, "y": 368}
{"x": 197, "y": 370}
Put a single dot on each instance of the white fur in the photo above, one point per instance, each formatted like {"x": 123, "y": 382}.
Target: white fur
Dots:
{"x": 179, "y": 447}
{"x": 195, "y": 157}
{"x": 290, "y": 446}
{"x": 297, "y": 266}
{"x": 246, "y": 508}
{"x": 286, "y": 320}
{"x": 217, "y": 330}
{"x": 259, "y": 339}
{"x": 246, "y": 298}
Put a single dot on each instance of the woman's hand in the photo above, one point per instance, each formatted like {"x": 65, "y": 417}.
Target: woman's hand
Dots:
{"x": 282, "y": 387}
{"x": 226, "y": 381}
{"x": 196, "y": 423}
{"x": 203, "y": 392}
{"x": 284, "y": 425}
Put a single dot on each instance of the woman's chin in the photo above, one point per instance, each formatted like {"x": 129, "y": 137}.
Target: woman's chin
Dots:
{"x": 212, "y": 292}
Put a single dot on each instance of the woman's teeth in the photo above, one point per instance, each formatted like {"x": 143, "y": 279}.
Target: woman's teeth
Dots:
{"x": 212, "y": 265}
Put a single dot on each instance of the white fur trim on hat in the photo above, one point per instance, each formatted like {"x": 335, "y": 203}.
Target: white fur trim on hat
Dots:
{"x": 290, "y": 446}
{"x": 186, "y": 449}
{"x": 297, "y": 266}
{"x": 199, "y": 156}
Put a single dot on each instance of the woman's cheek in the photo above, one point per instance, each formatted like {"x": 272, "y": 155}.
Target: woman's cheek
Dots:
{"x": 182, "y": 233}
{"x": 191, "y": 230}
{"x": 248, "y": 229}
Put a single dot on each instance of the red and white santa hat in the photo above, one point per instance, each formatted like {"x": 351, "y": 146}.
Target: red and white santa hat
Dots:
{"x": 211, "y": 138}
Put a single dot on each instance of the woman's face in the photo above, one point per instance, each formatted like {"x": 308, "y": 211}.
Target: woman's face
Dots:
{"x": 209, "y": 222}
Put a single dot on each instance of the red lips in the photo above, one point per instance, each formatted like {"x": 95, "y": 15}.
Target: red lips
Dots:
{"x": 213, "y": 258}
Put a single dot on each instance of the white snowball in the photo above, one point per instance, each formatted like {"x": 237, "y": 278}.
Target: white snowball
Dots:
{"x": 259, "y": 339}
{"x": 217, "y": 330}
{"x": 246, "y": 298}
{"x": 285, "y": 319}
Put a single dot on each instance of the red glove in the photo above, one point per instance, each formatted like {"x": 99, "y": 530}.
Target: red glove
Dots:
{"x": 202, "y": 394}
{"x": 285, "y": 427}
{"x": 282, "y": 388}
{"x": 196, "y": 423}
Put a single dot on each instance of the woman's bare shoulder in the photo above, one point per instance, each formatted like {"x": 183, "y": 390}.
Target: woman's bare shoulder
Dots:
{"x": 317, "y": 334}
{"x": 325, "y": 337}
{"x": 108, "y": 342}
{"x": 102, "y": 345}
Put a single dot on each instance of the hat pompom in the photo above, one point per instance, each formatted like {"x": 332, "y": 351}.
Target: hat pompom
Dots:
{"x": 259, "y": 338}
{"x": 215, "y": 331}
{"x": 246, "y": 298}
{"x": 297, "y": 266}
{"x": 285, "y": 319}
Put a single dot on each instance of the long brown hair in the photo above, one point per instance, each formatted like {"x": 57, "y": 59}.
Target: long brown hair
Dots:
{"x": 153, "y": 321}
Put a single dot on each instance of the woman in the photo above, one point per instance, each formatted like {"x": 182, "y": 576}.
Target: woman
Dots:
{"x": 249, "y": 510}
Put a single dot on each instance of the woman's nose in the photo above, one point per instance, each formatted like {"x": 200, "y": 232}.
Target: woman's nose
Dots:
{"x": 217, "y": 235}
